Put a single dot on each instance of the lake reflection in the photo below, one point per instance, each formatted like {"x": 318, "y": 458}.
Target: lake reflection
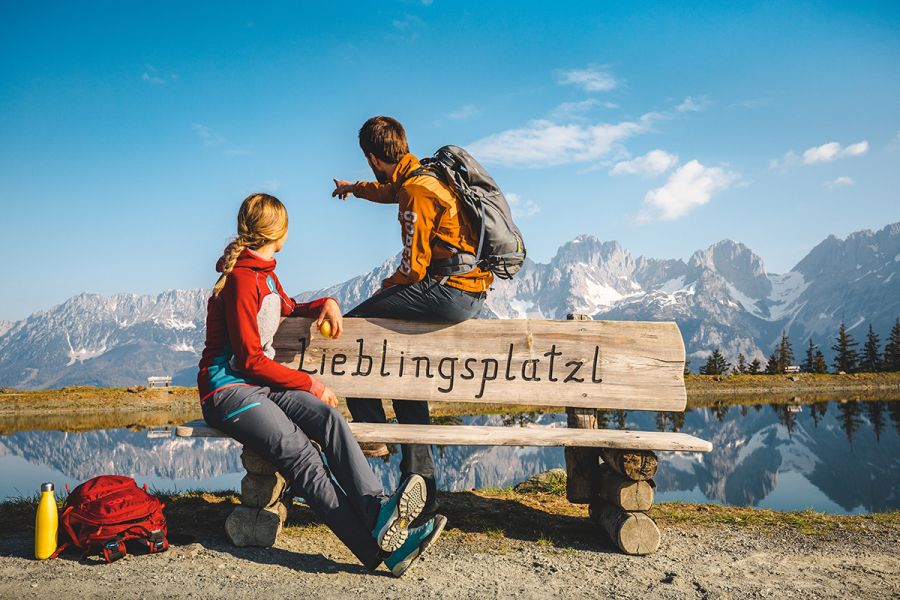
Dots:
{"x": 836, "y": 457}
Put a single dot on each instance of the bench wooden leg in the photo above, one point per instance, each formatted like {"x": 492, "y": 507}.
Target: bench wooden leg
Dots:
{"x": 624, "y": 492}
{"x": 261, "y": 516}
{"x": 581, "y": 462}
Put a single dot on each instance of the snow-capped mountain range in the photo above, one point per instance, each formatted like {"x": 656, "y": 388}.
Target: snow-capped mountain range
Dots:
{"x": 721, "y": 297}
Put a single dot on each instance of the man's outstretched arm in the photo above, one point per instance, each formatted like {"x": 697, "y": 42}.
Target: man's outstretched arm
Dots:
{"x": 382, "y": 193}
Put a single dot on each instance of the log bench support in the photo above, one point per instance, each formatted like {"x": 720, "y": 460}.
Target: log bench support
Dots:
{"x": 618, "y": 488}
{"x": 261, "y": 515}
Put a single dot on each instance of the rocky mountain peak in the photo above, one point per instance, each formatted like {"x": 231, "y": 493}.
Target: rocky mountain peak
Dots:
{"x": 737, "y": 264}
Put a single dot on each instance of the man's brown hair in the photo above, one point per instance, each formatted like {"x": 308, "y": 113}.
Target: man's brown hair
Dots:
{"x": 385, "y": 138}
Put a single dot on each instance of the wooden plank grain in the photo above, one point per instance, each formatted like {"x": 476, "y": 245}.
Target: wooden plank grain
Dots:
{"x": 587, "y": 364}
{"x": 472, "y": 435}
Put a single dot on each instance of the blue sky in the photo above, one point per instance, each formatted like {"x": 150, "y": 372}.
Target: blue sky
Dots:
{"x": 131, "y": 132}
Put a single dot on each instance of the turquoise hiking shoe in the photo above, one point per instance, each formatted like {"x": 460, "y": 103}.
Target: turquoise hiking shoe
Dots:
{"x": 419, "y": 540}
{"x": 398, "y": 512}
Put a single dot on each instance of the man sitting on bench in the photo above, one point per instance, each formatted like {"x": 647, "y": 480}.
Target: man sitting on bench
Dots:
{"x": 432, "y": 230}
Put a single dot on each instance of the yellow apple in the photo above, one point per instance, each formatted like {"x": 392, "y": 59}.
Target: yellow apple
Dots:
{"x": 325, "y": 329}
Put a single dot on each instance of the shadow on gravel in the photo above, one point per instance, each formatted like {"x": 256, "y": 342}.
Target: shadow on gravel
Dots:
{"x": 473, "y": 513}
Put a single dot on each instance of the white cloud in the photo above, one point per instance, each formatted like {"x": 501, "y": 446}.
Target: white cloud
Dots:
{"x": 832, "y": 151}
{"x": 407, "y": 22}
{"x": 691, "y": 104}
{"x": 821, "y": 154}
{"x": 652, "y": 163}
{"x": 840, "y": 182}
{"x": 544, "y": 143}
{"x": 521, "y": 208}
{"x": 211, "y": 139}
{"x": 575, "y": 111}
{"x": 690, "y": 186}
{"x": 152, "y": 75}
{"x": 572, "y": 110}
{"x": 464, "y": 113}
{"x": 592, "y": 79}
{"x": 207, "y": 135}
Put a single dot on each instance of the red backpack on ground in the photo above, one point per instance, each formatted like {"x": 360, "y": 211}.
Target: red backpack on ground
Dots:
{"x": 102, "y": 513}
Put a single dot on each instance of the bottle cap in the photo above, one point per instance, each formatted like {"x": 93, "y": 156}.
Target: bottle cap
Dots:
{"x": 46, "y": 487}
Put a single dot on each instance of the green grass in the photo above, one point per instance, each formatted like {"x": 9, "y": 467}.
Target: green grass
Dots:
{"x": 543, "y": 517}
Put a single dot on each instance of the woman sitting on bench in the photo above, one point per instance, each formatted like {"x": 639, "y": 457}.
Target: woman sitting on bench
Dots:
{"x": 276, "y": 411}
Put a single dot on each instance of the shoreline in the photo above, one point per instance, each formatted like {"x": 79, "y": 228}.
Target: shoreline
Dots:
{"x": 79, "y": 408}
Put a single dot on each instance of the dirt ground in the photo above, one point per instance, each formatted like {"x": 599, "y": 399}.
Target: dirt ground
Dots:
{"x": 499, "y": 545}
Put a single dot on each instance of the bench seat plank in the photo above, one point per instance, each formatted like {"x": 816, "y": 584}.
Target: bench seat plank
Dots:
{"x": 471, "y": 435}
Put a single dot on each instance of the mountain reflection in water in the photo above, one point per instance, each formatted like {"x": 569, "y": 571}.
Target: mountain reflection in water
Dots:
{"x": 836, "y": 457}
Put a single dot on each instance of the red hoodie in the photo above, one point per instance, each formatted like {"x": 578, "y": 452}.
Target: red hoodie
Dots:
{"x": 240, "y": 324}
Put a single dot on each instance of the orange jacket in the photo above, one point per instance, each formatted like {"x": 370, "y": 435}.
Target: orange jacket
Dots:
{"x": 427, "y": 211}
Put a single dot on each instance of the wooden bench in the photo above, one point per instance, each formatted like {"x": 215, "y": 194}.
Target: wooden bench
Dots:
{"x": 579, "y": 364}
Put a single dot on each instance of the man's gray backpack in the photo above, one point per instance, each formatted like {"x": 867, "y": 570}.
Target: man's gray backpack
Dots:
{"x": 500, "y": 248}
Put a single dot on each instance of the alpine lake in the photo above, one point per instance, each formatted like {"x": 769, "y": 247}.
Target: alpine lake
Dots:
{"x": 837, "y": 456}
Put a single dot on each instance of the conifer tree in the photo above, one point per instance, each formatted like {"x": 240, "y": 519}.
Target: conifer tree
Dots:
{"x": 741, "y": 367}
{"x": 820, "y": 365}
{"x": 715, "y": 364}
{"x": 774, "y": 362}
{"x": 871, "y": 357}
{"x": 809, "y": 363}
{"x": 845, "y": 354}
{"x": 891, "y": 360}
{"x": 754, "y": 367}
{"x": 785, "y": 352}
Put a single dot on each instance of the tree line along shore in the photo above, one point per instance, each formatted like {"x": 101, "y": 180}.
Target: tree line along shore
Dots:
{"x": 848, "y": 357}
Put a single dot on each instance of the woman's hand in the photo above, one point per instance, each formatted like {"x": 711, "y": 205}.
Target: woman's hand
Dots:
{"x": 331, "y": 312}
{"x": 329, "y": 398}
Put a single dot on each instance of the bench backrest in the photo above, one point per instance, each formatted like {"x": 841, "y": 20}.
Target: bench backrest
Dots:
{"x": 588, "y": 364}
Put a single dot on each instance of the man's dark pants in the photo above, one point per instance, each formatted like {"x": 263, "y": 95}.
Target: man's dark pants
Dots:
{"x": 427, "y": 300}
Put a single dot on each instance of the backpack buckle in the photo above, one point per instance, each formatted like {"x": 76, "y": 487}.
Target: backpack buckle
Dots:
{"x": 156, "y": 541}
{"x": 113, "y": 550}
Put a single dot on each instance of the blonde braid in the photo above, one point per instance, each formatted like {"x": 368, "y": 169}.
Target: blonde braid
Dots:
{"x": 261, "y": 219}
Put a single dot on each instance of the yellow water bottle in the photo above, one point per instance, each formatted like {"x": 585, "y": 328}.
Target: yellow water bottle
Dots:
{"x": 46, "y": 524}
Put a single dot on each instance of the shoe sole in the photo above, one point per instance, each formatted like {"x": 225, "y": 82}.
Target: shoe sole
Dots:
{"x": 440, "y": 521}
{"x": 409, "y": 505}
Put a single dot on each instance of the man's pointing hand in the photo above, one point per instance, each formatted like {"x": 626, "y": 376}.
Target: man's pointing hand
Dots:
{"x": 342, "y": 188}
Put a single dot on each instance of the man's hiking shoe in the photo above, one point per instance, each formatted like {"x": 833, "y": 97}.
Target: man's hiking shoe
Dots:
{"x": 395, "y": 516}
{"x": 419, "y": 540}
{"x": 431, "y": 503}
{"x": 374, "y": 449}
{"x": 428, "y": 513}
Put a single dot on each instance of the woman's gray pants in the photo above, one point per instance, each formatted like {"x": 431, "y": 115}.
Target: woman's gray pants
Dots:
{"x": 279, "y": 426}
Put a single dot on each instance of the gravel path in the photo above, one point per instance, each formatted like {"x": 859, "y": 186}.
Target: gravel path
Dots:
{"x": 693, "y": 562}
